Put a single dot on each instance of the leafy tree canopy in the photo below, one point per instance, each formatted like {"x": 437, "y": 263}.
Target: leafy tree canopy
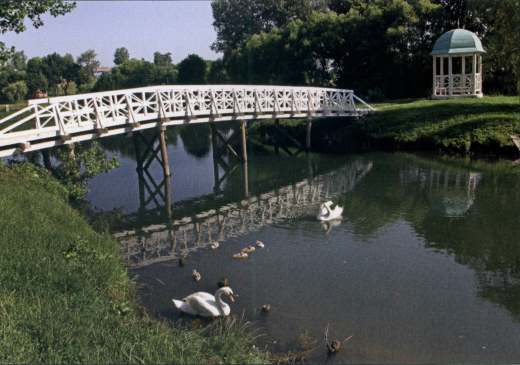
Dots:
{"x": 121, "y": 55}
{"x": 236, "y": 20}
{"x": 13, "y": 12}
{"x": 162, "y": 59}
{"x": 192, "y": 70}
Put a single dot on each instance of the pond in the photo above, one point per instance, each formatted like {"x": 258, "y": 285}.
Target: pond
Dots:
{"x": 424, "y": 266}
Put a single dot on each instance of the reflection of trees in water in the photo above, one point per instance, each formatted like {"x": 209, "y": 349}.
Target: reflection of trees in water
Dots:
{"x": 486, "y": 239}
{"x": 124, "y": 145}
{"x": 471, "y": 216}
{"x": 196, "y": 139}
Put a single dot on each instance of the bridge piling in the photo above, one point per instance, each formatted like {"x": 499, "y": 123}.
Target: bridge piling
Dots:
{"x": 164, "y": 152}
{"x": 276, "y": 140}
{"x": 243, "y": 131}
{"x": 308, "y": 135}
{"x": 72, "y": 152}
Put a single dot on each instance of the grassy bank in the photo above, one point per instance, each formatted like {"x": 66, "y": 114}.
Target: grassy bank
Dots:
{"x": 458, "y": 125}
{"x": 461, "y": 125}
{"x": 65, "y": 297}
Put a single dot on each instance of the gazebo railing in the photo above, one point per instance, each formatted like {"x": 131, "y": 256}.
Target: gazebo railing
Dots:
{"x": 461, "y": 84}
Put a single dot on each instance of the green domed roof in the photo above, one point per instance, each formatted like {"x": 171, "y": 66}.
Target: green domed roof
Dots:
{"x": 458, "y": 41}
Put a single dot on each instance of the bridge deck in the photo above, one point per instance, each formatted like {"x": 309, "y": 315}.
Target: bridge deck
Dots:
{"x": 55, "y": 121}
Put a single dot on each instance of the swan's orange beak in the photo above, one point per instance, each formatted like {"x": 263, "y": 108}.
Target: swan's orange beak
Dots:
{"x": 232, "y": 298}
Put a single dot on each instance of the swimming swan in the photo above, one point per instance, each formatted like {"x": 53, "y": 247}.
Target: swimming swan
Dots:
{"x": 206, "y": 305}
{"x": 328, "y": 214}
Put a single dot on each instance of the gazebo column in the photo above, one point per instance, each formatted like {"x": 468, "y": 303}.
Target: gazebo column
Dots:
{"x": 450, "y": 76}
{"x": 465, "y": 90}
{"x": 441, "y": 84}
{"x": 434, "y": 89}
{"x": 474, "y": 74}
{"x": 480, "y": 73}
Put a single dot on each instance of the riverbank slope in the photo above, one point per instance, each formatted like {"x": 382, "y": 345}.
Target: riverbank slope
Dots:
{"x": 65, "y": 296}
{"x": 459, "y": 125}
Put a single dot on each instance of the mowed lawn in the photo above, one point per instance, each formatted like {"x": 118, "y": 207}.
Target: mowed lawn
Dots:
{"x": 457, "y": 124}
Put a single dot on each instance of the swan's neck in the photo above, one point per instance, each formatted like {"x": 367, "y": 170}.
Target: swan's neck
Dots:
{"x": 325, "y": 209}
{"x": 221, "y": 305}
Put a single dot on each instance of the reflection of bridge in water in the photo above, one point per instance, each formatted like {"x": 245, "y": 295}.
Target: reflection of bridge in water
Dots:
{"x": 162, "y": 242}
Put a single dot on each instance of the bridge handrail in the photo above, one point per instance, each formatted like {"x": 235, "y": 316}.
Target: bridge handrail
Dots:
{"x": 228, "y": 87}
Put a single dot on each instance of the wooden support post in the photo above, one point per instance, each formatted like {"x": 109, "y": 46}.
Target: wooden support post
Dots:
{"x": 308, "y": 135}
{"x": 72, "y": 153}
{"x": 168, "y": 197}
{"x": 246, "y": 179}
{"x": 243, "y": 131}
{"x": 214, "y": 150}
{"x": 46, "y": 160}
{"x": 164, "y": 152}
{"x": 275, "y": 135}
{"x": 140, "y": 173}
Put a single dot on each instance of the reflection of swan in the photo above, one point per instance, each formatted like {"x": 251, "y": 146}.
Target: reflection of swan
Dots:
{"x": 204, "y": 304}
{"x": 328, "y": 225}
{"x": 328, "y": 214}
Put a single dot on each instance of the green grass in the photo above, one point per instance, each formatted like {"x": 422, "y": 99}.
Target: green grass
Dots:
{"x": 6, "y": 109}
{"x": 461, "y": 125}
{"x": 65, "y": 296}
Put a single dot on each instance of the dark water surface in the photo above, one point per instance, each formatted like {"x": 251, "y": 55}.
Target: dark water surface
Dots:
{"x": 423, "y": 268}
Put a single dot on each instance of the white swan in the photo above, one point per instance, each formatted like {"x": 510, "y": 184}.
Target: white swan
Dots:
{"x": 328, "y": 214}
{"x": 206, "y": 305}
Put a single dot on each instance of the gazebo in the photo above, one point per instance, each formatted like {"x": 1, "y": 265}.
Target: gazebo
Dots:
{"x": 457, "y": 65}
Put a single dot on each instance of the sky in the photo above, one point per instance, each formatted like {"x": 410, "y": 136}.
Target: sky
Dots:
{"x": 143, "y": 27}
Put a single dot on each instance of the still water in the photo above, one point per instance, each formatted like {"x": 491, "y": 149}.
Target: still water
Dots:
{"x": 424, "y": 267}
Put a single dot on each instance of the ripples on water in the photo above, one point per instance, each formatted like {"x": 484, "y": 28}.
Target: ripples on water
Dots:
{"x": 424, "y": 267}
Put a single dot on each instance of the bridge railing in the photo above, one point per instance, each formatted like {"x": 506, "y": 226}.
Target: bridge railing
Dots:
{"x": 51, "y": 121}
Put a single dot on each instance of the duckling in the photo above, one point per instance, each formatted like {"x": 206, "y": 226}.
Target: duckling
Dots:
{"x": 240, "y": 255}
{"x": 214, "y": 245}
{"x": 333, "y": 346}
{"x": 265, "y": 308}
{"x": 260, "y": 244}
{"x": 223, "y": 282}
{"x": 196, "y": 275}
{"x": 249, "y": 249}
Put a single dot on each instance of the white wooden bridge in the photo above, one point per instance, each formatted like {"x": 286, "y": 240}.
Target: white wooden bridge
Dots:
{"x": 171, "y": 240}
{"x": 50, "y": 122}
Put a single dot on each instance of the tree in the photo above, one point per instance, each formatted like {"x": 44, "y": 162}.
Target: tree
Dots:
{"x": 121, "y": 55}
{"x": 192, "y": 70}
{"x": 217, "y": 72}
{"x": 14, "y": 13}
{"x": 15, "y": 91}
{"x": 376, "y": 44}
{"x": 162, "y": 59}
{"x": 236, "y": 20}
{"x": 36, "y": 75}
{"x": 13, "y": 69}
{"x": 89, "y": 63}
{"x": 502, "y": 42}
